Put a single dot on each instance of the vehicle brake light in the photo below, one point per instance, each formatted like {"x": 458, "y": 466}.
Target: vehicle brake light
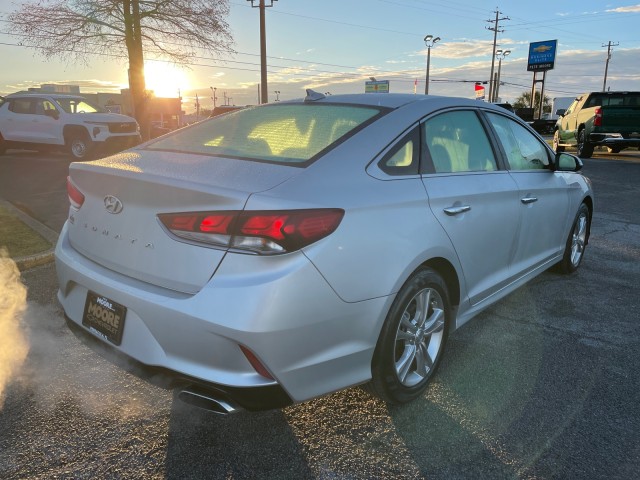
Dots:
{"x": 597, "y": 121}
{"x": 261, "y": 232}
{"x": 76, "y": 197}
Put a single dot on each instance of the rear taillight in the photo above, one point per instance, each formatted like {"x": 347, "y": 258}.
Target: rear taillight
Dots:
{"x": 597, "y": 121}
{"x": 263, "y": 232}
{"x": 76, "y": 198}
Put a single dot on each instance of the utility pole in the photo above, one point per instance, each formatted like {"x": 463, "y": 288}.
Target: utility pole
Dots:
{"x": 264, "y": 97}
{"x": 495, "y": 29}
{"x": 606, "y": 66}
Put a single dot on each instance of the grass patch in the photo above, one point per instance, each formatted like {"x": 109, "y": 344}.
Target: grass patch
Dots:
{"x": 18, "y": 238}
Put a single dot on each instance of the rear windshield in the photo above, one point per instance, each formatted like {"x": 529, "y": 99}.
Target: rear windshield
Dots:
{"x": 282, "y": 133}
{"x": 625, "y": 99}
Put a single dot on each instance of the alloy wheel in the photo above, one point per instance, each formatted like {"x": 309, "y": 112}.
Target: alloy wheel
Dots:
{"x": 419, "y": 336}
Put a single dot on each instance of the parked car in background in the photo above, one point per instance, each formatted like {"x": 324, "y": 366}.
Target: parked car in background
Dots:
{"x": 278, "y": 253}
{"x": 609, "y": 119}
{"x": 42, "y": 121}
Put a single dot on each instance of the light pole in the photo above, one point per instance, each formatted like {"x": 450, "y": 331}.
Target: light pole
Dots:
{"x": 429, "y": 41}
{"x": 277, "y": 92}
{"x": 214, "y": 98}
{"x": 500, "y": 55}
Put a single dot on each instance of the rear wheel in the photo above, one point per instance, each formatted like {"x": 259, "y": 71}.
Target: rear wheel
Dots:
{"x": 3, "y": 146}
{"x": 412, "y": 339}
{"x": 585, "y": 149}
{"x": 556, "y": 142}
{"x": 576, "y": 242}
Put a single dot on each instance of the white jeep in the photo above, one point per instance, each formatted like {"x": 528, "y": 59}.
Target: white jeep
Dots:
{"x": 44, "y": 121}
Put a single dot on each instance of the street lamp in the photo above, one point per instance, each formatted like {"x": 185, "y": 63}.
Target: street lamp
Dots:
{"x": 214, "y": 98}
{"x": 500, "y": 55}
{"x": 429, "y": 41}
{"x": 277, "y": 92}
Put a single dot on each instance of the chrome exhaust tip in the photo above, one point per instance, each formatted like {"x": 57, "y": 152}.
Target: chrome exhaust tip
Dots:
{"x": 208, "y": 401}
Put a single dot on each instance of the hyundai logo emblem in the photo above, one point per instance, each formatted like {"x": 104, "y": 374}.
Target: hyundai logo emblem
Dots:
{"x": 113, "y": 204}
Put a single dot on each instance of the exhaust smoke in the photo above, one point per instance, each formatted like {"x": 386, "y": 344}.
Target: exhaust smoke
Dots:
{"x": 13, "y": 341}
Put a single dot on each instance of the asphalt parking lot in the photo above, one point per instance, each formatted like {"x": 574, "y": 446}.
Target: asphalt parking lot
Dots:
{"x": 545, "y": 384}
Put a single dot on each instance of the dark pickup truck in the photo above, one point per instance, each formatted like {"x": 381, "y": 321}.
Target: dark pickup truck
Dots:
{"x": 610, "y": 119}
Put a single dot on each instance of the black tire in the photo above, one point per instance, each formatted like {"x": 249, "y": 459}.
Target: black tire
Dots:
{"x": 556, "y": 142}
{"x": 576, "y": 242}
{"x": 585, "y": 149}
{"x": 3, "y": 146}
{"x": 412, "y": 339}
{"x": 79, "y": 146}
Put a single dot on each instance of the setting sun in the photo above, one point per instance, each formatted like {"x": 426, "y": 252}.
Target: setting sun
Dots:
{"x": 165, "y": 79}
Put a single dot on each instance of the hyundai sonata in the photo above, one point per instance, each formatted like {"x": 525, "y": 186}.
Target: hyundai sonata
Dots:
{"x": 281, "y": 252}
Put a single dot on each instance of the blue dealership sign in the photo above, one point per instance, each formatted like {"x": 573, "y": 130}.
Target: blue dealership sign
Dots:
{"x": 542, "y": 55}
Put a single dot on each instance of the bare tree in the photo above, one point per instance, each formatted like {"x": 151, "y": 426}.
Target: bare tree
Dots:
{"x": 76, "y": 30}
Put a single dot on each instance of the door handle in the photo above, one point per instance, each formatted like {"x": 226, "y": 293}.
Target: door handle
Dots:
{"x": 527, "y": 200}
{"x": 457, "y": 210}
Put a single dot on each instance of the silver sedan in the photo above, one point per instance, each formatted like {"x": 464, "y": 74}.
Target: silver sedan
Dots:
{"x": 277, "y": 253}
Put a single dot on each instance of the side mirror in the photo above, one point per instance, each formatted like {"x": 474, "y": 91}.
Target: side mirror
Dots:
{"x": 566, "y": 162}
{"x": 561, "y": 111}
{"x": 52, "y": 114}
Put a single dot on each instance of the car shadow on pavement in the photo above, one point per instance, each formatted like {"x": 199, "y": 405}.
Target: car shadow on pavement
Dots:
{"x": 202, "y": 444}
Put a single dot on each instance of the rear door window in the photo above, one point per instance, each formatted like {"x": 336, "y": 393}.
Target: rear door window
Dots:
{"x": 22, "y": 105}
{"x": 456, "y": 142}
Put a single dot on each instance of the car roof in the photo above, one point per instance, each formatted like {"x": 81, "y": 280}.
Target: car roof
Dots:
{"x": 388, "y": 100}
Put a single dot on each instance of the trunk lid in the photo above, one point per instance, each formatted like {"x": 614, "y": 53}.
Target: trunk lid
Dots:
{"x": 146, "y": 183}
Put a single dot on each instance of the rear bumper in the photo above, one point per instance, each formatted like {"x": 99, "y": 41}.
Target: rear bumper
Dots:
{"x": 252, "y": 398}
{"x": 281, "y": 309}
{"x": 614, "y": 140}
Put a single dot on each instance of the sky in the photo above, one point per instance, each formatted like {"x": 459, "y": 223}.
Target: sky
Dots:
{"x": 335, "y": 46}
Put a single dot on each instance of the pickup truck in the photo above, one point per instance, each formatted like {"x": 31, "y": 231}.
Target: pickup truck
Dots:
{"x": 610, "y": 119}
{"x": 48, "y": 121}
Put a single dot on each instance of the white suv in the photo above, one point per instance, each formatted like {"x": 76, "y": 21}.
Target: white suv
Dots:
{"x": 44, "y": 121}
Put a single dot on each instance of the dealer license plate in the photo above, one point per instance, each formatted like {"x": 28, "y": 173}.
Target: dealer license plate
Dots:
{"x": 104, "y": 317}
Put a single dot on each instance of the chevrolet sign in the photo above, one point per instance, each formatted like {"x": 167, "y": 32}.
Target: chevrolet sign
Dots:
{"x": 542, "y": 56}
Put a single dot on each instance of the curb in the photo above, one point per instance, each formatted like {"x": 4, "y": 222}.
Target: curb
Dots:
{"x": 30, "y": 261}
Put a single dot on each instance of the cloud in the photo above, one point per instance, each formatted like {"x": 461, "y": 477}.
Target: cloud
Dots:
{"x": 86, "y": 85}
{"x": 629, "y": 9}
